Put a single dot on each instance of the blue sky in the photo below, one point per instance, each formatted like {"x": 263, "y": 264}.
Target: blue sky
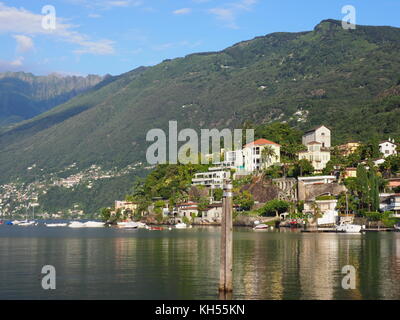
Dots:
{"x": 115, "y": 36}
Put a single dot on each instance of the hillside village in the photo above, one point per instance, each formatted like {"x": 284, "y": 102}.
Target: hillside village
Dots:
{"x": 325, "y": 189}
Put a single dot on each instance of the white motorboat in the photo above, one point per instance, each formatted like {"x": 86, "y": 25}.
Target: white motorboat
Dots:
{"x": 141, "y": 225}
{"x": 397, "y": 226}
{"x": 76, "y": 224}
{"x": 93, "y": 224}
{"x": 26, "y": 223}
{"x": 56, "y": 224}
{"x": 16, "y": 222}
{"x": 181, "y": 226}
{"x": 261, "y": 227}
{"x": 128, "y": 225}
{"x": 348, "y": 228}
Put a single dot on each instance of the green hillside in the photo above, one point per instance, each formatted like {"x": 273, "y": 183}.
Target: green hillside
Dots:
{"x": 328, "y": 75}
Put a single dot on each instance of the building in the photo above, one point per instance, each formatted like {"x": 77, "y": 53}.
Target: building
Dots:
{"x": 187, "y": 209}
{"x": 319, "y": 134}
{"x": 309, "y": 188}
{"x": 388, "y": 148}
{"x": 327, "y": 208}
{"x": 348, "y": 148}
{"x": 235, "y": 159}
{"x": 317, "y": 154}
{"x": 213, "y": 212}
{"x": 390, "y": 202}
{"x": 349, "y": 173}
{"x": 394, "y": 183}
{"x": 214, "y": 178}
{"x": 125, "y": 205}
{"x": 253, "y": 158}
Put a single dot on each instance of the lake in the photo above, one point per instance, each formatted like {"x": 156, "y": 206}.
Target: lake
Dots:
{"x": 109, "y": 263}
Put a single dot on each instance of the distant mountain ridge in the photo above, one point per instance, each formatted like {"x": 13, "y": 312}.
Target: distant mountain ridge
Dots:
{"x": 24, "y": 95}
{"x": 325, "y": 76}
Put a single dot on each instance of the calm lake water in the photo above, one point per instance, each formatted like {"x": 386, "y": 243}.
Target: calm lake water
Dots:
{"x": 183, "y": 264}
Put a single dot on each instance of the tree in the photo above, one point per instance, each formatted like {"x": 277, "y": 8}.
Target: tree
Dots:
{"x": 105, "y": 214}
{"x": 267, "y": 154}
{"x": 351, "y": 205}
{"x": 217, "y": 194}
{"x": 316, "y": 212}
{"x": 244, "y": 200}
{"x": 203, "y": 204}
{"x": 303, "y": 167}
{"x": 274, "y": 207}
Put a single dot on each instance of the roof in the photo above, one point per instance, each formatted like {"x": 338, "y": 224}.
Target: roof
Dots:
{"x": 316, "y": 128}
{"x": 387, "y": 141}
{"x": 262, "y": 142}
{"x": 314, "y": 142}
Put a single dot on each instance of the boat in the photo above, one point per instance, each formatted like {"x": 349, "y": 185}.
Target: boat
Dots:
{"x": 397, "y": 226}
{"x": 141, "y": 225}
{"x": 181, "y": 226}
{"x": 26, "y": 223}
{"x": 16, "y": 222}
{"x": 348, "y": 228}
{"x": 56, "y": 224}
{"x": 127, "y": 225}
{"x": 76, "y": 224}
{"x": 261, "y": 227}
{"x": 94, "y": 224}
{"x": 156, "y": 228}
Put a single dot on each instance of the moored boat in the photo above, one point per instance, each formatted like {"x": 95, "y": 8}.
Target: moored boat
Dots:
{"x": 397, "y": 226}
{"x": 76, "y": 224}
{"x": 348, "y": 228}
{"x": 93, "y": 224}
{"x": 261, "y": 227}
{"x": 127, "y": 225}
{"x": 56, "y": 224}
{"x": 181, "y": 226}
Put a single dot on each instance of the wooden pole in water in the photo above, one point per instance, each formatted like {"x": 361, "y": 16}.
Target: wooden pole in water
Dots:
{"x": 225, "y": 284}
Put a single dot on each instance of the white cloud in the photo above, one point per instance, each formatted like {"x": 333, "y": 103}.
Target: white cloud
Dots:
{"x": 14, "y": 20}
{"x": 17, "y": 62}
{"x": 228, "y": 13}
{"x": 24, "y": 43}
{"x": 14, "y": 65}
{"x": 182, "y": 11}
{"x": 94, "y": 15}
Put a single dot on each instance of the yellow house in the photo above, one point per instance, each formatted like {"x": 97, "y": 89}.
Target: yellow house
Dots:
{"x": 348, "y": 148}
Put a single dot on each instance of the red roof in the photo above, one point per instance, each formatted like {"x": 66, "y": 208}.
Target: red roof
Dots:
{"x": 261, "y": 142}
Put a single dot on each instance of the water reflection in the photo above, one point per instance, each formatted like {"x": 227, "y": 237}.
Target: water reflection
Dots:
{"x": 184, "y": 264}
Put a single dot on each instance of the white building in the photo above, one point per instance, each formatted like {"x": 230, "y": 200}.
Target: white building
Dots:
{"x": 388, "y": 148}
{"x": 390, "y": 202}
{"x": 253, "y": 159}
{"x": 213, "y": 178}
{"x": 319, "y": 134}
{"x": 317, "y": 180}
{"x": 318, "y": 155}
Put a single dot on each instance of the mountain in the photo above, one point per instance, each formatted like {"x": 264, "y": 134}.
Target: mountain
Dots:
{"x": 328, "y": 75}
{"x": 23, "y": 95}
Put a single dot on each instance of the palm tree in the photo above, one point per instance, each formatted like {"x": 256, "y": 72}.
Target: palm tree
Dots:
{"x": 267, "y": 154}
{"x": 316, "y": 212}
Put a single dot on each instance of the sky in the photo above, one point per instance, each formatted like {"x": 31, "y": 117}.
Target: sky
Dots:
{"x": 116, "y": 36}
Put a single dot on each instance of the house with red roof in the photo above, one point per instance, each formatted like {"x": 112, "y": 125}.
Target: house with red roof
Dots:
{"x": 261, "y": 154}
